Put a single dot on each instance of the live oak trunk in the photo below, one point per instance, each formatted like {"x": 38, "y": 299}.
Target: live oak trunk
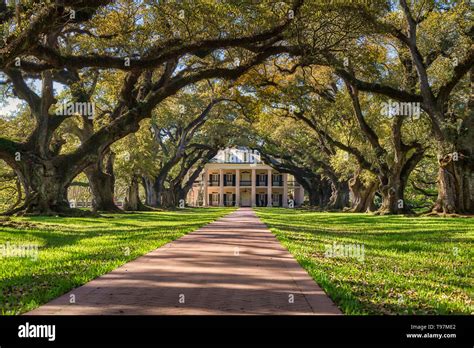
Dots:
{"x": 159, "y": 188}
{"x": 132, "y": 201}
{"x": 326, "y": 192}
{"x": 456, "y": 178}
{"x": 102, "y": 185}
{"x": 319, "y": 190}
{"x": 150, "y": 192}
{"x": 339, "y": 196}
{"x": 361, "y": 196}
{"x": 172, "y": 198}
{"x": 45, "y": 187}
{"x": 392, "y": 190}
{"x": 456, "y": 166}
{"x": 393, "y": 178}
{"x": 313, "y": 196}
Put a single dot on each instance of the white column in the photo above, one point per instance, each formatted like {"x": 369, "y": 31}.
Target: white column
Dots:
{"x": 285, "y": 190}
{"x": 206, "y": 191}
{"x": 237, "y": 187}
{"x": 269, "y": 188}
{"x": 254, "y": 189}
{"x": 221, "y": 187}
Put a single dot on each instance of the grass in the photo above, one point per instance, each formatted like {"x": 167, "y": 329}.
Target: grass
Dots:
{"x": 410, "y": 265}
{"x": 73, "y": 251}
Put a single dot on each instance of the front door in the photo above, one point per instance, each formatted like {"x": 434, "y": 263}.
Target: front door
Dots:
{"x": 245, "y": 199}
{"x": 261, "y": 200}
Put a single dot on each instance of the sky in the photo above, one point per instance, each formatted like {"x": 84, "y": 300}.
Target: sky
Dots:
{"x": 10, "y": 105}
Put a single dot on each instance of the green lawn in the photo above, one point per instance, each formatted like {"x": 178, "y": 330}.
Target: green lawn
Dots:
{"x": 73, "y": 251}
{"x": 410, "y": 265}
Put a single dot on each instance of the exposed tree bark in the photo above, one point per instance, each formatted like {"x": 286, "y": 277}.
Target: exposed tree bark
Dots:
{"x": 159, "y": 187}
{"x": 150, "y": 193}
{"x": 318, "y": 189}
{"x": 132, "y": 200}
{"x": 19, "y": 193}
{"x": 393, "y": 182}
{"x": 456, "y": 168}
{"x": 170, "y": 197}
{"x": 455, "y": 183}
{"x": 102, "y": 184}
{"x": 362, "y": 197}
{"x": 45, "y": 188}
{"x": 339, "y": 196}
{"x": 313, "y": 195}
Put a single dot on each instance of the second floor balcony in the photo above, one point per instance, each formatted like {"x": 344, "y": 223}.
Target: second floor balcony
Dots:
{"x": 248, "y": 183}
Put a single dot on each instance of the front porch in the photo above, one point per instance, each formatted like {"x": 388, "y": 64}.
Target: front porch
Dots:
{"x": 261, "y": 198}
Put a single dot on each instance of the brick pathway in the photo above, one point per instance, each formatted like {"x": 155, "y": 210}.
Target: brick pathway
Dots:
{"x": 234, "y": 265}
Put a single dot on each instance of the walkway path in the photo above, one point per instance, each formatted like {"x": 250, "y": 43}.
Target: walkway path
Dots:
{"x": 234, "y": 265}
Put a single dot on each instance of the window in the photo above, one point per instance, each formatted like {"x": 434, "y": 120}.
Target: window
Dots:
{"x": 230, "y": 199}
{"x": 215, "y": 177}
{"x": 276, "y": 179}
{"x": 275, "y": 199}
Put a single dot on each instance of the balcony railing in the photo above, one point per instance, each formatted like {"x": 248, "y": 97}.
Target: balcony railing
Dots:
{"x": 291, "y": 183}
{"x": 226, "y": 203}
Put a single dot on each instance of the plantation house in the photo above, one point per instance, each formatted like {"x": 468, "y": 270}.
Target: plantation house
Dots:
{"x": 238, "y": 177}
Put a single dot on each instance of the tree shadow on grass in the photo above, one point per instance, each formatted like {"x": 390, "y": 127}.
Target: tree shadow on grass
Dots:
{"x": 428, "y": 236}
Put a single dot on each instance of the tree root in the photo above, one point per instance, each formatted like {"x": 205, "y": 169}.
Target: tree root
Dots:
{"x": 448, "y": 215}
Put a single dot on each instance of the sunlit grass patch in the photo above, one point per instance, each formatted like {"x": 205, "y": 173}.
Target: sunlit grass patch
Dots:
{"x": 73, "y": 251}
{"x": 411, "y": 265}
